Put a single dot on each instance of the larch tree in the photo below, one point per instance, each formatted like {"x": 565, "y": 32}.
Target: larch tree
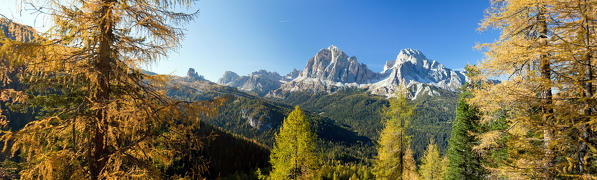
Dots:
{"x": 574, "y": 51}
{"x": 293, "y": 155}
{"x": 463, "y": 163}
{"x": 394, "y": 157}
{"x": 431, "y": 164}
{"x": 546, "y": 55}
{"x": 102, "y": 117}
{"x": 410, "y": 166}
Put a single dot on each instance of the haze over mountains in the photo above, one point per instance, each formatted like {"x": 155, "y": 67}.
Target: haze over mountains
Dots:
{"x": 332, "y": 69}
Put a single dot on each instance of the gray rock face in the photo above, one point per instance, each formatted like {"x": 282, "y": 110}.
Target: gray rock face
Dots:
{"x": 332, "y": 64}
{"x": 228, "y": 77}
{"x": 258, "y": 120}
{"x": 260, "y": 82}
{"x": 416, "y": 71}
{"x": 329, "y": 70}
{"x": 292, "y": 75}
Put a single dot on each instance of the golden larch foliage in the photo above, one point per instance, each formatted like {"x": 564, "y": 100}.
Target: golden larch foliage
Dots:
{"x": 101, "y": 116}
{"x": 545, "y": 58}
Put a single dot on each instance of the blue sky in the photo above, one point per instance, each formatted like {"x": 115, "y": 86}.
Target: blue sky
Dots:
{"x": 278, "y": 35}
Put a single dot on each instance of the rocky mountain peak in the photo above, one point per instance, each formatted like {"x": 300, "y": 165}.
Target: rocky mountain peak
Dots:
{"x": 267, "y": 74}
{"x": 194, "y": 76}
{"x": 414, "y": 69}
{"x": 413, "y": 57}
{"x": 331, "y": 69}
{"x": 332, "y": 64}
{"x": 292, "y": 75}
{"x": 410, "y": 53}
{"x": 260, "y": 82}
{"x": 228, "y": 76}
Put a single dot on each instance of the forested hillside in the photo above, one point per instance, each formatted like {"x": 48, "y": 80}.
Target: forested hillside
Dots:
{"x": 258, "y": 118}
{"x": 360, "y": 112}
{"x": 348, "y": 117}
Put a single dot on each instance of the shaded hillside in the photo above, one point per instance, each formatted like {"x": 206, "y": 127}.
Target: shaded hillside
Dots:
{"x": 259, "y": 119}
{"x": 227, "y": 153}
{"x": 347, "y": 121}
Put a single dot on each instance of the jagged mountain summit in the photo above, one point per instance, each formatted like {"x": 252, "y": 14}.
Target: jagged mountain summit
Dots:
{"x": 292, "y": 75}
{"x": 332, "y": 69}
{"x": 328, "y": 70}
{"x": 333, "y": 65}
{"x": 194, "y": 76}
{"x": 418, "y": 73}
{"x": 260, "y": 82}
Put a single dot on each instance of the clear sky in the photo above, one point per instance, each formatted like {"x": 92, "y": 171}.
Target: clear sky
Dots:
{"x": 278, "y": 35}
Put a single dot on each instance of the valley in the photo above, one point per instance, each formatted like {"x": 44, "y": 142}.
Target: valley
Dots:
{"x": 345, "y": 114}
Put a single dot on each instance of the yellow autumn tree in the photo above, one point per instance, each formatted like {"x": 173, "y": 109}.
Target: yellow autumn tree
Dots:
{"x": 293, "y": 155}
{"x": 545, "y": 58}
{"x": 101, "y": 116}
{"x": 394, "y": 156}
{"x": 432, "y": 165}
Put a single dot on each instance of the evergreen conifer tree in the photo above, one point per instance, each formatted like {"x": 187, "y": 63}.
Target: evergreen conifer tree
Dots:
{"x": 462, "y": 162}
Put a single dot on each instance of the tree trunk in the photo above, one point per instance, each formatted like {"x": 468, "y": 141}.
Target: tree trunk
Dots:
{"x": 401, "y": 153}
{"x": 102, "y": 64}
{"x": 546, "y": 95}
{"x": 588, "y": 94}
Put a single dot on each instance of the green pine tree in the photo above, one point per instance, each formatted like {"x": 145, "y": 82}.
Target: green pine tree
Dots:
{"x": 462, "y": 162}
{"x": 394, "y": 159}
{"x": 294, "y": 155}
{"x": 432, "y": 164}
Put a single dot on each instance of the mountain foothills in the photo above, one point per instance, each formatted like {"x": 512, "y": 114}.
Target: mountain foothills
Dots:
{"x": 332, "y": 69}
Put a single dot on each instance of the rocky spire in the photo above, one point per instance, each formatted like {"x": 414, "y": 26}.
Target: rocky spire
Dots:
{"x": 192, "y": 75}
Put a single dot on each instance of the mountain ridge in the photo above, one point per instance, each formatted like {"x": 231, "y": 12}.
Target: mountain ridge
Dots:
{"x": 331, "y": 69}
